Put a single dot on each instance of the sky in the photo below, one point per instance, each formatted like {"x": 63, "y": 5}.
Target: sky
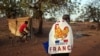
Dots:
{"x": 83, "y": 3}
{"x": 74, "y": 16}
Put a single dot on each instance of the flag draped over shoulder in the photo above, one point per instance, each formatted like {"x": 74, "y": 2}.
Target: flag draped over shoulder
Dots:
{"x": 60, "y": 38}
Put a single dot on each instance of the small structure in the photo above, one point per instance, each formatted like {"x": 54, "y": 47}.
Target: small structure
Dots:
{"x": 15, "y": 23}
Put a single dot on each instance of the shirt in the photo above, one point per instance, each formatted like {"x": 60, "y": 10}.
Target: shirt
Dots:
{"x": 22, "y": 27}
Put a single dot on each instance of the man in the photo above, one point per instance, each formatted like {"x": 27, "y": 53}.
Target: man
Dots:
{"x": 23, "y": 29}
{"x": 61, "y": 38}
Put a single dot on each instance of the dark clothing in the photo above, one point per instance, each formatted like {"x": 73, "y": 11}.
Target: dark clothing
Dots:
{"x": 62, "y": 54}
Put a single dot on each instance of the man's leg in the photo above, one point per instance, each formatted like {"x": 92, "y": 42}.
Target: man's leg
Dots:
{"x": 23, "y": 37}
{"x": 62, "y": 54}
{"x": 26, "y": 35}
{"x": 65, "y": 54}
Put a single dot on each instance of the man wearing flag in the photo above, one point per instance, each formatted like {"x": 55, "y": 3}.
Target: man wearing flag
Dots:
{"x": 61, "y": 38}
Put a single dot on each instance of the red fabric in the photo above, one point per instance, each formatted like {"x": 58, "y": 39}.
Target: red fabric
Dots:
{"x": 65, "y": 40}
{"x": 22, "y": 27}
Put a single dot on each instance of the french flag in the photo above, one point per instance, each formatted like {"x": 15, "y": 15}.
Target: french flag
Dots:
{"x": 61, "y": 41}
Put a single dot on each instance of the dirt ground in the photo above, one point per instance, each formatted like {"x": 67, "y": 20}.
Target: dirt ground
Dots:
{"x": 86, "y": 41}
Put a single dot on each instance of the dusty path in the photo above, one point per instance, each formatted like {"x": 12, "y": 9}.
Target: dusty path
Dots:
{"x": 83, "y": 46}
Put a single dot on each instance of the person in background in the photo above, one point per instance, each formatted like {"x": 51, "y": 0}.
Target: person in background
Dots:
{"x": 23, "y": 29}
{"x": 61, "y": 38}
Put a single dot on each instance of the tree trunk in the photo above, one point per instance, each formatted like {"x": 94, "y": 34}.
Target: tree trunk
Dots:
{"x": 40, "y": 28}
{"x": 30, "y": 27}
{"x": 98, "y": 26}
{"x": 94, "y": 20}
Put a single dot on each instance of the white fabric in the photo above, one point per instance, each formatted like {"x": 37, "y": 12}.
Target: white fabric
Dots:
{"x": 59, "y": 43}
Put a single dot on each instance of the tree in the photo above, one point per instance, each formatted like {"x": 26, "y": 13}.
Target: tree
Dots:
{"x": 40, "y": 7}
{"x": 49, "y": 6}
{"x": 52, "y": 19}
{"x": 92, "y": 12}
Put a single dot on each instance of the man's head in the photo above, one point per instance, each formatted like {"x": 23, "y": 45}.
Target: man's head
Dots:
{"x": 66, "y": 17}
{"x": 26, "y": 22}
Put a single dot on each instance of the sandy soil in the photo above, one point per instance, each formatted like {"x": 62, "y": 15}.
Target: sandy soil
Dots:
{"x": 86, "y": 41}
